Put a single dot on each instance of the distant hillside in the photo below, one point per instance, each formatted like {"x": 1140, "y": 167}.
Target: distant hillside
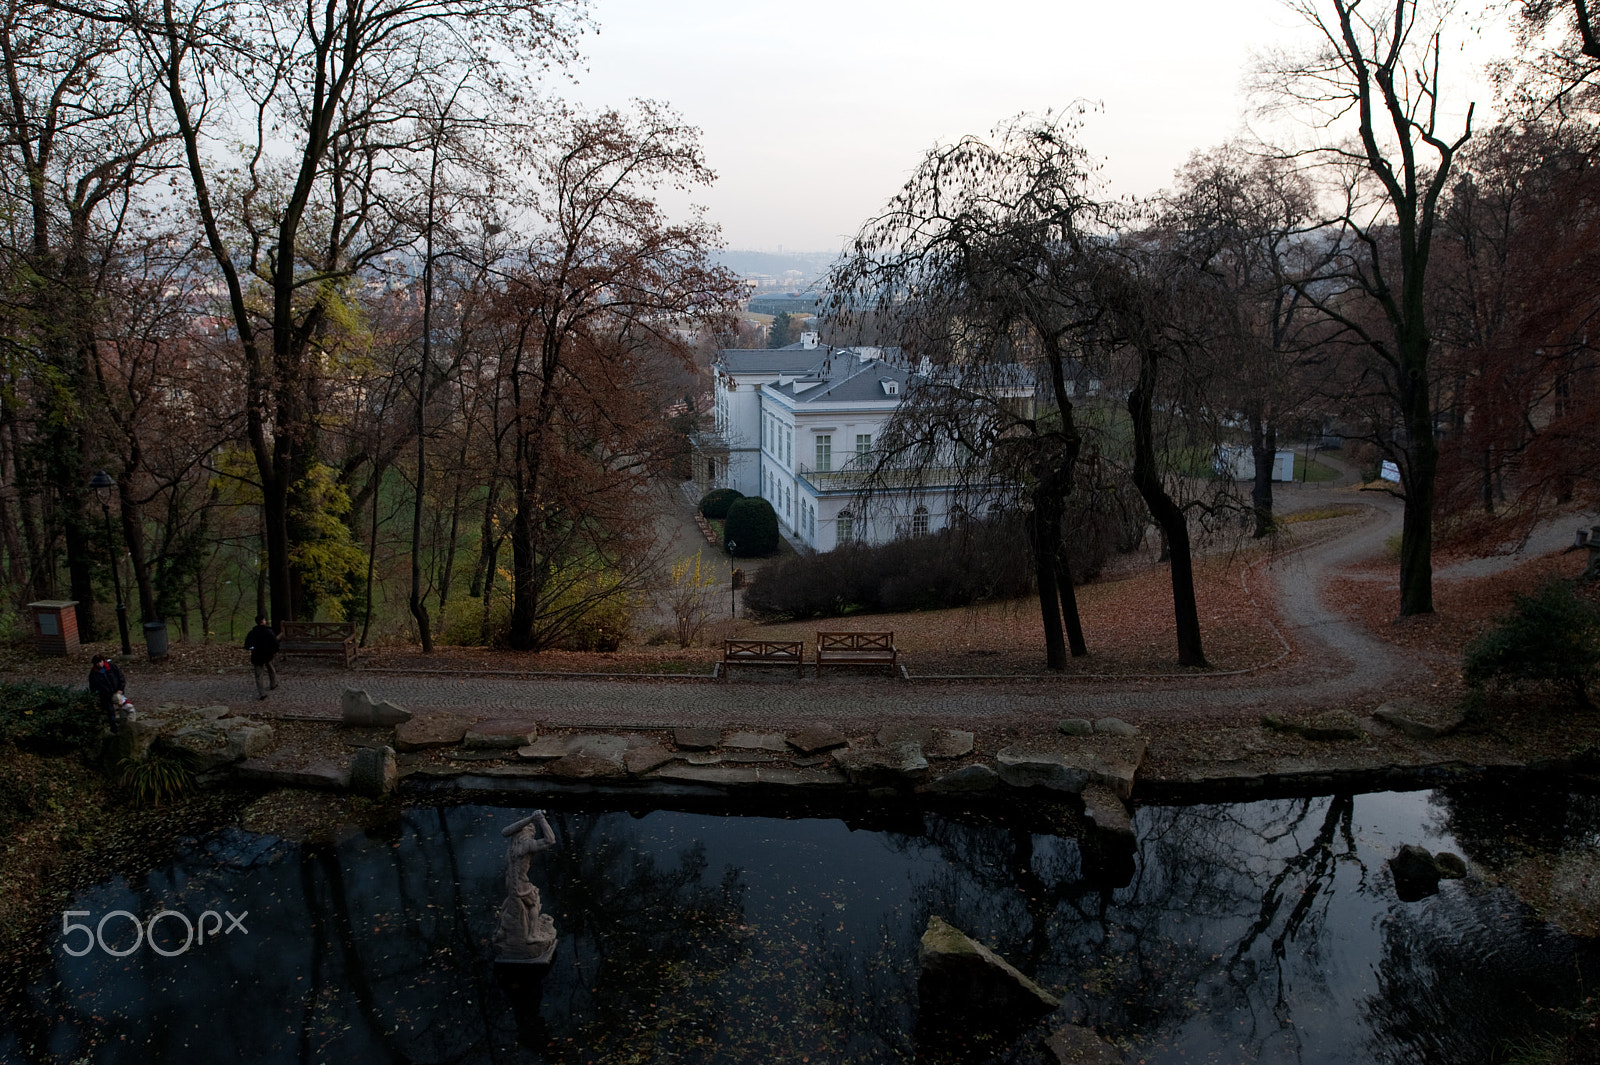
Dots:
{"x": 810, "y": 264}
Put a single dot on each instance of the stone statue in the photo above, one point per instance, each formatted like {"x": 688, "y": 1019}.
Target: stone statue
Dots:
{"x": 524, "y": 933}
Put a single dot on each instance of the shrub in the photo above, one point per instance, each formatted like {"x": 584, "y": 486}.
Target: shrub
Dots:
{"x": 752, "y": 526}
{"x": 715, "y": 503}
{"x": 1551, "y": 636}
{"x": 973, "y": 563}
{"x": 687, "y": 593}
{"x": 154, "y": 780}
{"x": 48, "y": 716}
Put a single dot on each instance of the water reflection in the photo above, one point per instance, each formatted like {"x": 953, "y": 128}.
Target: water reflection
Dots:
{"x": 1265, "y": 931}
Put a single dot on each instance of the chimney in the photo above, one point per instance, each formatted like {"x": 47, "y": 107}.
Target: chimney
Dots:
{"x": 808, "y": 340}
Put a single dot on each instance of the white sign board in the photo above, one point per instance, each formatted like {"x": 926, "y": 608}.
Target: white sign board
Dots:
{"x": 1390, "y": 472}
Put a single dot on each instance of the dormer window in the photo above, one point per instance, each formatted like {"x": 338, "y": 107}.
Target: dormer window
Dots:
{"x": 890, "y": 388}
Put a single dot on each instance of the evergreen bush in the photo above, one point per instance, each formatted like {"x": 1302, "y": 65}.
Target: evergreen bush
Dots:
{"x": 1551, "y": 636}
{"x": 715, "y": 503}
{"x": 752, "y": 526}
{"x": 48, "y": 716}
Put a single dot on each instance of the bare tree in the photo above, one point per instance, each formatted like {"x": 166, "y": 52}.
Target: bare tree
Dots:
{"x": 606, "y": 292}
{"x": 1374, "y": 74}
{"x": 327, "y": 89}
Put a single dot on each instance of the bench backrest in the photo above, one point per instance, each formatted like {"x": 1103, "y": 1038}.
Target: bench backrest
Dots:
{"x": 855, "y": 641}
{"x": 764, "y": 648}
{"x": 318, "y": 630}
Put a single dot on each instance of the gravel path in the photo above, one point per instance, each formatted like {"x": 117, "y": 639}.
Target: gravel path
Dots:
{"x": 1334, "y": 664}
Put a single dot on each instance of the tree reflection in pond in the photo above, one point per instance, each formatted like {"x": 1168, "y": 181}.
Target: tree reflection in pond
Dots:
{"x": 1265, "y": 931}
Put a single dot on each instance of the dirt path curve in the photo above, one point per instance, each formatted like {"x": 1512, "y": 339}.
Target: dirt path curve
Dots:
{"x": 1334, "y": 665}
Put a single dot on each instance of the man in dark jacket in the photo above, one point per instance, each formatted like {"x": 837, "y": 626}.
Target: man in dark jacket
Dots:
{"x": 262, "y": 643}
{"x": 105, "y": 681}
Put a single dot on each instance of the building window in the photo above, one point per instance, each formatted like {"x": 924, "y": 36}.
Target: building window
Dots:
{"x": 824, "y": 453}
{"x": 863, "y": 447}
{"x": 788, "y": 448}
{"x": 919, "y": 522}
{"x": 846, "y": 526}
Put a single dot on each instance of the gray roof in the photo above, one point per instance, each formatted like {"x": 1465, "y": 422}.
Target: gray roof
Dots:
{"x": 845, "y": 379}
{"x": 791, "y": 359}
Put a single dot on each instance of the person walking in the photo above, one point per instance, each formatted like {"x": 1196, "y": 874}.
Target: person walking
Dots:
{"x": 262, "y": 643}
{"x": 105, "y": 684}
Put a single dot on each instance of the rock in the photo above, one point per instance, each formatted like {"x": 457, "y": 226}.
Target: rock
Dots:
{"x": 1033, "y": 765}
{"x": 643, "y": 759}
{"x": 131, "y": 742}
{"x": 211, "y": 746}
{"x": 434, "y": 728}
{"x": 357, "y": 708}
{"x": 1418, "y": 720}
{"x": 889, "y": 735}
{"x": 1415, "y": 873}
{"x": 1114, "y": 761}
{"x": 330, "y": 776}
{"x": 1074, "y": 1045}
{"x": 757, "y": 741}
{"x": 1107, "y": 813}
{"x": 818, "y": 738}
{"x": 703, "y": 758}
{"x": 212, "y": 713}
{"x": 711, "y": 775}
{"x": 590, "y": 758}
{"x": 499, "y": 735}
{"x": 963, "y": 982}
{"x": 373, "y": 772}
{"x": 778, "y": 776}
{"x": 895, "y": 766}
{"x": 1337, "y": 725}
{"x": 1450, "y": 866}
{"x": 696, "y": 739}
{"x": 597, "y": 745}
{"x": 948, "y": 743}
{"x": 544, "y": 749}
{"x": 1112, "y": 726}
{"x": 966, "y": 780}
{"x": 1075, "y": 726}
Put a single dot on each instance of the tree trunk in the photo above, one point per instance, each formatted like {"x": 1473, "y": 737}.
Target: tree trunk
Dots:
{"x": 1044, "y": 530}
{"x": 1069, "y": 607}
{"x": 1264, "y": 450}
{"x": 1168, "y": 515}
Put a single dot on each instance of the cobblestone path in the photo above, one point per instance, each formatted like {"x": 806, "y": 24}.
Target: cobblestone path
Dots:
{"x": 1333, "y": 664}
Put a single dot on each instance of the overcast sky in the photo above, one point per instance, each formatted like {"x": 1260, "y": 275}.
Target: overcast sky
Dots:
{"x": 815, "y": 113}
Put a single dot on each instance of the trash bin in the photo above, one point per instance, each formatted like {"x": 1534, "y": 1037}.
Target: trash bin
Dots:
{"x": 155, "y": 639}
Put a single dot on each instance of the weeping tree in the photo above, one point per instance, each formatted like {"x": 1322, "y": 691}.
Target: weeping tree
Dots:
{"x": 980, "y": 265}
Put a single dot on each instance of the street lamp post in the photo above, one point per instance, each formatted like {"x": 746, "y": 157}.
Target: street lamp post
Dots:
{"x": 733, "y": 592}
{"x": 102, "y": 483}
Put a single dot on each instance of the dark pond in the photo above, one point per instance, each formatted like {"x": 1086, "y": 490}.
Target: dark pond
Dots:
{"x": 1255, "y": 932}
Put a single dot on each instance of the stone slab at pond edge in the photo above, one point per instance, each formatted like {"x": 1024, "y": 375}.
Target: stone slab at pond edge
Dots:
{"x": 357, "y": 708}
{"x": 431, "y": 728}
{"x": 964, "y": 982}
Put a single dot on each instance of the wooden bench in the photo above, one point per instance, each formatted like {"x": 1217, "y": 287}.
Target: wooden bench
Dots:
{"x": 856, "y": 649}
{"x": 319, "y": 638}
{"x": 764, "y": 653}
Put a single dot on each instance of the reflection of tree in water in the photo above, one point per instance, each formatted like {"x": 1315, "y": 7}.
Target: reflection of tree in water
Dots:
{"x": 1206, "y": 927}
{"x": 1473, "y": 967}
{"x": 1495, "y": 826}
{"x": 650, "y": 942}
{"x": 1467, "y": 970}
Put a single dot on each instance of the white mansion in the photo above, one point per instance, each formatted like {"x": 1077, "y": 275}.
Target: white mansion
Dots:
{"x": 797, "y": 426}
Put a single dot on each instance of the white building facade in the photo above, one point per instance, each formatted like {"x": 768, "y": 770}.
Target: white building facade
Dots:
{"x": 799, "y": 426}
